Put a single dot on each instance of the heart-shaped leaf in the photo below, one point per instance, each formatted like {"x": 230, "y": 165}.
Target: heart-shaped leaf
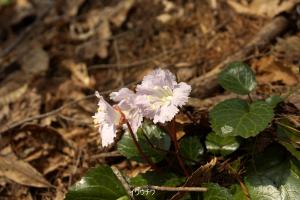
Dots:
{"x": 216, "y": 192}
{"x": 191, "y": 149}
{"x": 153, "y": 140}
{"x": 221, "y": 145}
{"x": 238, "y": 78}
{"x": 273, "y": 176}
{"x": 235, "y": 117}
{"x": 99, "y": 183}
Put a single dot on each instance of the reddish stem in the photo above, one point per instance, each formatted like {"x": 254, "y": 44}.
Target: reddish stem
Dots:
{"x": 144, "y": 156}
{"x": 177, "y": 148}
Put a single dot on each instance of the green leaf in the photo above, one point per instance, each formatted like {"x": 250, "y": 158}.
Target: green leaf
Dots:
{"x": 274, "y": 100}
{"x": 238, "y": 78}
{"x": 221, "y": 145}
{"x": 273, "y": 175}
{"x": 235, "y": 117}
{"x": 237, "y": 192}
{"x": 191, "y": 149}
{"x": 154, "y": 142}
{"x": 161, "y": 178}
{"x": 99, "y": 183}
{"x": 216, "y": 192}
{"x": 123, "y": 198}
{"x": 289, "y": 138}
{"x": 156, "y": 178}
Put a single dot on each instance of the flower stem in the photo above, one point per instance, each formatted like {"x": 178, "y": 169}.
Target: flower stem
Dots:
{"x": 250, "y": 98}
{"x": 177, "y": 150}
{"x": 144, "y": 156}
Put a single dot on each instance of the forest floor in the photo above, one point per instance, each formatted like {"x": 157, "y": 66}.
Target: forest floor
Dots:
{"x": 54, "y": 55}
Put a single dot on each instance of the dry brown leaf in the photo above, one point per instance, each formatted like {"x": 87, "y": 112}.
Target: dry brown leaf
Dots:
{"x": 119, "y": 13}
{"x": 295, "y": 99}
{"x": 104, "y": 34}
{"x": 69, "y": 7}
{"x": 97, "y": 29}
{"x": 21, "y": 172}
{"x": 268, "y": 71}
{"x": 288, "y": 48}
{"x": 23, "y": 107}
{"x": 79, "y": 72}
{"x": 171, "y": 11}
{"x": 139, "y": 169}
{"x": 35, "y": 62}
{"x": 12, "y": 91}
{"x": 267, "y": 8}
{"x": 55, "y": 162}
{"x": 23, "y": 8}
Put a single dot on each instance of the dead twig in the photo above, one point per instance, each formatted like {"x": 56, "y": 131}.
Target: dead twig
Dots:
{"x": 106, "y": 155}
{"x": 207, "y": 82}
{"x": 125, "y": 184}
{"x": 172, "y": 189}
{"x": 202, "y": 174}
{"x": 130, "y": 65}
{"x": 41, "y": 116}
{"x": 76, "y": 166}
{"x": 53, "y": 112}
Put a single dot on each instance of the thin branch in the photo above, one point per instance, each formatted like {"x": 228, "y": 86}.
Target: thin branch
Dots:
{"x": 250, "y": 98}
{"x": 172, "y": 189}
{"x": 130, "y": 65}
{"x": 125, "y": 184}
{"x": 55, "y": 111}
{"x": 76, "y": 167}
{"x": 159, "y": 149}
{"x": 177, "y": 148}
{"x": 106, "y": 155}
{"x": 47, "y": 114}
{"x": 144, "y": 156}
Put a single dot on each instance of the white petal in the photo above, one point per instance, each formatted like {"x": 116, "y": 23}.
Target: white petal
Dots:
{"x": 133, "y": 114}
{"x": 123, "y": 94}
{"x": 159, "y": 95}
{"x": 142, "y": 101}
{"x": 166, "y": 113}
{"x": 159, "y": 78}
{"x": 108, "y": 133}
{"x": 106, "y": 113}
{"x": 181, "y": 94}
{"x": 135, "y": 120}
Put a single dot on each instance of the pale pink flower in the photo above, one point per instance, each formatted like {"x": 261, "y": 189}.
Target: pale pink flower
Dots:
{"x": 126, "y": 102}
{"x": 159, "y": 95}
{"x": 108, "y": 119}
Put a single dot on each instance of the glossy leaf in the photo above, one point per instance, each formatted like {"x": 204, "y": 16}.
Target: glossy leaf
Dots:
{"x": 191, "y": 149}
{"x": 238, "y": 78}
{"x": 236, "y": 117}
{"x": 98, "y": 183}
{"x": 273, "y": 176}
{"x": 216, "y": 192}
{"x": 221, "y": 145}
{"x": 153, "y": 141}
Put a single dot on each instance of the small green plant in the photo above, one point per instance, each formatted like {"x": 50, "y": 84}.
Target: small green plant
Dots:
{"x": 248, "y": 153}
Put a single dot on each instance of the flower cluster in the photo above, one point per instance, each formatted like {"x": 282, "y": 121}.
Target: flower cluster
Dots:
{"x": 158, "y": 98}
